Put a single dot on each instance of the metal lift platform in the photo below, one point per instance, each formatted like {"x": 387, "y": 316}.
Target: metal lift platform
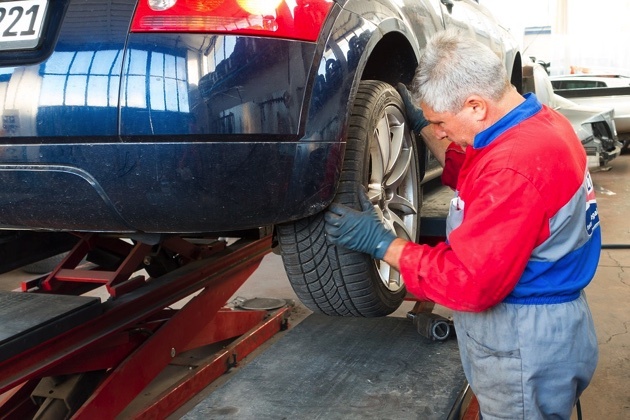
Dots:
{"x": 64, "y": 354}
{"x": 345, "y": 368}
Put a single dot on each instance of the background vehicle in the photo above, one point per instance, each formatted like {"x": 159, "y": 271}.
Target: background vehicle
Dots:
{"x": 195, "y": 118}
{"x": 586, "y": 81}
{"x": 604, "y": 91}
{"x": 594, "y": 126}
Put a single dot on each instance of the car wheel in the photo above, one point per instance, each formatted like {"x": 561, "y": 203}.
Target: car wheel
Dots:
{"x": 381, "y": 154}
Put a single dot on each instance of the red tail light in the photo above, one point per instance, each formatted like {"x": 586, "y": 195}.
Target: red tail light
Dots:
{"x": 293, "y": 19}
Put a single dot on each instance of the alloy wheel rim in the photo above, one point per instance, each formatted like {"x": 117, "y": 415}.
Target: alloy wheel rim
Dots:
{"x": 393, "y": 184}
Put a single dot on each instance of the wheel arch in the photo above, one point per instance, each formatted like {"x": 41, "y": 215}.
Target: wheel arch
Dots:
{"x": 516, "y": 78}
{"x": 395, "y": 49}
{"x": 388, "y": 43}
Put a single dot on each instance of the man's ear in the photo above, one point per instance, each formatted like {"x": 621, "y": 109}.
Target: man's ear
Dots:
{"x": 477, "y": 106}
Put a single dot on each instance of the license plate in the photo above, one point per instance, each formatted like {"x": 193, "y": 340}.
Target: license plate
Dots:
{"x": 21, "y": 23}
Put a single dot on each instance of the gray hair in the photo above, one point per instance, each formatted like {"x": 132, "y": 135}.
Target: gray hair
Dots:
{"x": 454, "y": 66}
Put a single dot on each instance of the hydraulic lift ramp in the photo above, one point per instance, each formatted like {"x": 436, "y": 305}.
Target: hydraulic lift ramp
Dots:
{"x": 28, "y": 319}
{"x": 344, "y": 368}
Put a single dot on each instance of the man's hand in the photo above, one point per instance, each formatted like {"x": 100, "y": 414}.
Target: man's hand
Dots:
{"x": 360, "y": 231}
{"x": 415, "y": 117}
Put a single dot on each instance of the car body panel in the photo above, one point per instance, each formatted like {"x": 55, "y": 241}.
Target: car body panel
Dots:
{"x": 213, "y": 85}
{"x": 111, "y": 131}
{"x": 620, "y": 103}
{"x": 616, "y": 98}
{"x": 594, "y": 126}
{"x": 73, "y": 92}
{"x": 599, "y": 91}
{"x": 596, "y": 129}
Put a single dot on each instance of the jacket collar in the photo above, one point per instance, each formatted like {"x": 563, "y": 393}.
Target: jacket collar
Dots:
{"x": 523, "y": 111}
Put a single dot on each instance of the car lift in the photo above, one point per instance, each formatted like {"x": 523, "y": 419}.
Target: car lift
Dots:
{"x": 66, "y": 354}
{"x": 52, "y": 334}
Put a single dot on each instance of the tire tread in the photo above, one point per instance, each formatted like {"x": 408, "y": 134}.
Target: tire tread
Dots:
{"x": 332, "y": 280}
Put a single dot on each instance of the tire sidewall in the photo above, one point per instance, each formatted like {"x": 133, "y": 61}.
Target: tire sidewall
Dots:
{"x": 387, "y": 96}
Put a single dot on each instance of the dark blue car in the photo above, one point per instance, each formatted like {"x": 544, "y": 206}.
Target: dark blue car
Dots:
{"x": 194, "y": 117}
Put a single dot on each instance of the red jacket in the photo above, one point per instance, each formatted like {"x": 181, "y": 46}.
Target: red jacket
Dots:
{"x": 521, "y": 233}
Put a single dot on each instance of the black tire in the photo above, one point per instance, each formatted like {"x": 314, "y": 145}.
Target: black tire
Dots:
{"x": 336, "y": 281}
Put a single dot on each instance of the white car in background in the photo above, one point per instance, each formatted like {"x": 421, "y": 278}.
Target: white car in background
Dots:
{"x": 595, "y": 126}
{"x": 599, "y": 90}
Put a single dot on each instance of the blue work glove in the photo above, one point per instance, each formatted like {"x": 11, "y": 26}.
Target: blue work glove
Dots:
{"x": 415, "y": 117}
{"x": 357, "y": 230}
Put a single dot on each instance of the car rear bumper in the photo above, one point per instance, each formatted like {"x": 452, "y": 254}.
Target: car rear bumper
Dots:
{"x": 165, "y": 187}
{"x": 597, "y": 159}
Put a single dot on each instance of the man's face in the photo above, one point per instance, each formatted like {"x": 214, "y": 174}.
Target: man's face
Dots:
{"x": 460, "y": 127}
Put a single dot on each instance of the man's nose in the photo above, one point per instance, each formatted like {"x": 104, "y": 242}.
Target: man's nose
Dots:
{"x": 439, "y": 132}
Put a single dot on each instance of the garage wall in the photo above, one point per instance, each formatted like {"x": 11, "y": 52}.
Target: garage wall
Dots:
{"x": 581, "y": 34}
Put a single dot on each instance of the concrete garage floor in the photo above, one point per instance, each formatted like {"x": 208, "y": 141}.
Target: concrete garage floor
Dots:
{"x": 608, "y": 397}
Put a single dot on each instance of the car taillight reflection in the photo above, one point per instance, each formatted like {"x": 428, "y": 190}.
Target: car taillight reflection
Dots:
{"x": 293, "y": 19}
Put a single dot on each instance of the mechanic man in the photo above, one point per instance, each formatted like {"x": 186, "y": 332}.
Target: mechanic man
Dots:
{"x": 523, "y": 235}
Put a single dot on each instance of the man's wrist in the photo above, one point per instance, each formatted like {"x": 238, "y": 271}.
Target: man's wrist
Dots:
{"x": 394, "y": 252}
{"x": 383, "y": 245}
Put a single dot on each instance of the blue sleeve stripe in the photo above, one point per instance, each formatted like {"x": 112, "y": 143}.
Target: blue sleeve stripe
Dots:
{"x": 568, "y": 229}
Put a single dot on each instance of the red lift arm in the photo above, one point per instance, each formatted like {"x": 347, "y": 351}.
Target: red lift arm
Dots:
{"x": 134, "y": 335}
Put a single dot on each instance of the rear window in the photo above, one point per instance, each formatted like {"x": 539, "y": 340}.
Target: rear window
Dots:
{"x": 577, "y": 84}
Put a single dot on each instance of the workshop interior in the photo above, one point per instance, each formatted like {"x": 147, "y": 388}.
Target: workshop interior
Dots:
{"x": 166, "y": 167}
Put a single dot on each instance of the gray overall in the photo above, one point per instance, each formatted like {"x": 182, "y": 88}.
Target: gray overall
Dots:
{"x": 528, "y": 361}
